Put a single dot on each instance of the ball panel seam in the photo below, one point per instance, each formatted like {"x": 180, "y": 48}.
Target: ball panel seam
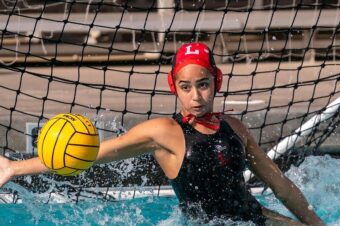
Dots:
{"x": 43, "y": 142}
{"x": 55, "y": 144}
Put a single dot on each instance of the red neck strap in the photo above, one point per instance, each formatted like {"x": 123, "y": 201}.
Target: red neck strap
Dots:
{"x": 210, "y": 120}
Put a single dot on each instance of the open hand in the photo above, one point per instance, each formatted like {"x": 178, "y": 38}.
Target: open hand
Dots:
{"x": 6, "y": 172}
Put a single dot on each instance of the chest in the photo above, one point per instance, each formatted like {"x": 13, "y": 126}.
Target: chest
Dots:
{"x": 221, "y": 151}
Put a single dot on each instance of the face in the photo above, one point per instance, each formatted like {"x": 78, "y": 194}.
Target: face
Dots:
{"x": 195, "y": 88}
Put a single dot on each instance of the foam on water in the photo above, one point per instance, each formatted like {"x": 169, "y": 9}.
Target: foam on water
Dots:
{"x": 317, "y": 177}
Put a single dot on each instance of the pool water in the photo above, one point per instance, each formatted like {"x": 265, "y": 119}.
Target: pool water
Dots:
{"x": 317, "y": 177}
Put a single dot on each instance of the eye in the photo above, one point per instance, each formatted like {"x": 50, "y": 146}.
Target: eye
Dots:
{"x": 185, "y": 87}
{"x": 203, "y": 85}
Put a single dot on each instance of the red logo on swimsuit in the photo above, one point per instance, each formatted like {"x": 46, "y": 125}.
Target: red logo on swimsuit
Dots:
{"x": 222, "y": 160}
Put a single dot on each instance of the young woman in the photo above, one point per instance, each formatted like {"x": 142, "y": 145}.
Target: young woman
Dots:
{"x": 203, "y": 154}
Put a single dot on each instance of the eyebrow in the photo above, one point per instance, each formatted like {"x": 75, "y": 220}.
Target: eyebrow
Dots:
{"x": 200, "y": 80}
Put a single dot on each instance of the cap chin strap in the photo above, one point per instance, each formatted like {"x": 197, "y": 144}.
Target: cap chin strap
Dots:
{"x": 210, "y": 120}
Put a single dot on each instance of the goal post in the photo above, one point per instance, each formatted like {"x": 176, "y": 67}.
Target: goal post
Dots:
{"x": 305, "y": 130}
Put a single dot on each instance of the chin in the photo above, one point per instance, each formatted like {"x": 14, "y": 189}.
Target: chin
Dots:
{"x": 199, "y": 113}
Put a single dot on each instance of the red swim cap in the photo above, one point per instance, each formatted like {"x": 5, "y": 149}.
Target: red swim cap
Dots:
{"x": 194, "y": 53}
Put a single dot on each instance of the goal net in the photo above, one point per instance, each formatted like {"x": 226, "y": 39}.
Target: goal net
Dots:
{"x": 109, "y": 60}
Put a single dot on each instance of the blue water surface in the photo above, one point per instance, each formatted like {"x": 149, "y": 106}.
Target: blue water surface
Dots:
{"x": 318, "y": 178}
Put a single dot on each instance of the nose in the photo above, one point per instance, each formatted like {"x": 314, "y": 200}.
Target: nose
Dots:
{"x": 196, "y": 95}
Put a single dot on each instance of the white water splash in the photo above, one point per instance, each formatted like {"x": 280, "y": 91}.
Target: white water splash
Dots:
{"x": 318, "y": 177}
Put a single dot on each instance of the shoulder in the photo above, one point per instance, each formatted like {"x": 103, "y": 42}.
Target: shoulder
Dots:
{"x": 237, "y": 125}
{"x": 162, "y": 123}
{"x": 163, "y": 132}
{"x": 158, "y": 127}
{"x": 159, "y": 122}
{"x": 168, "y": 134}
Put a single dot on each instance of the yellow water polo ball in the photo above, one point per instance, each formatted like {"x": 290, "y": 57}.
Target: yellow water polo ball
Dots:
{"x": 68, "y": 144}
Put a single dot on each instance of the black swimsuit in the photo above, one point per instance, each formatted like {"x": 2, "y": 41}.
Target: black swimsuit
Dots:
{"x": 210, "y": 181}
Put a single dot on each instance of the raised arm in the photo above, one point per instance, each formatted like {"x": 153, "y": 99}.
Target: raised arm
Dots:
{"x": 9, "y": 169}
{"x": 162, "y": 137}
{"x": 149, "y": 136}
{"x": 146, "y": 137}
{"x": 284, "y": 189}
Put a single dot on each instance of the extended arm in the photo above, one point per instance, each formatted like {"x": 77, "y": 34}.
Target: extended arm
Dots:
{"x": 149, "y": 136}
{"x": 8, "y": 168}
{"x": 283, "y": 188}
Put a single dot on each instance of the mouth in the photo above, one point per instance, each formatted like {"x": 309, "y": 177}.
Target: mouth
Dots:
{"x": 197, "y": 108}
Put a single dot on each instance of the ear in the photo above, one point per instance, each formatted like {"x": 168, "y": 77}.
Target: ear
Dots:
{"x": 219, "y": 78}
{"x": 171, "y": 83}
